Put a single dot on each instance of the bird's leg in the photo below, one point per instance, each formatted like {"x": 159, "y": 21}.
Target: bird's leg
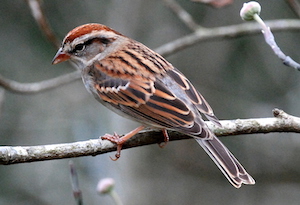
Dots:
{"x": 166, "y": 139}
{"x": 115, "y": 138}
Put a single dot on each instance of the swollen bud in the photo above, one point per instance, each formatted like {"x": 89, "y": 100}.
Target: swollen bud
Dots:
{"x": 249, "y": 10}
{"x": 105, "y": 185}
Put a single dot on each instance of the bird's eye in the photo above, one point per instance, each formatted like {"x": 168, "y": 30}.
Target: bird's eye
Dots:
{"x": 79, "y": 47}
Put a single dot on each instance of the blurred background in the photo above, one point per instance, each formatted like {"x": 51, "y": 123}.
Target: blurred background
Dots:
{"x": 239, "y": 77}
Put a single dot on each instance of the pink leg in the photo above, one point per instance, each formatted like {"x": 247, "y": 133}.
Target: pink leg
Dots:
{"x": 121, "y": 140}
{"x": 166, "y": 138}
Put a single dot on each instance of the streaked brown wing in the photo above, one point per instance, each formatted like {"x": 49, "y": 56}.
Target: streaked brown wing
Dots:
{"x": 151, "y": 101}
{"x": 122, "y": 86}
{"x": 142, "y": 94}
{"x": 165, "y": 107}
{"x": 195, "y": 97}
{"x": 124, "y": 92}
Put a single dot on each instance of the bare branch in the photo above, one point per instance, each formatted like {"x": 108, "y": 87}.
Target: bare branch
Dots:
{"x": 182, "y": 14}
{"x": 39, "y": 16}
{"x": 232, "y": 31}
{"x": 2, "y": 97}
{"x": 215, "y": 3}
{"x": 270, "y": 40}
{"x": 251, "y": 11}
{"x": 295, "y": 6}
{"x": 77, "y": 193}
{"x": 282, "y": 122}
{"x": 26, "y": 88}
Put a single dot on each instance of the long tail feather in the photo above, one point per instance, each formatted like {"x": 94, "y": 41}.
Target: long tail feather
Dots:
{"x": 227, "y": 163}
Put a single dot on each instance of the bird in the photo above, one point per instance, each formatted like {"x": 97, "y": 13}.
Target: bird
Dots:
{"x": 136, "y": 82}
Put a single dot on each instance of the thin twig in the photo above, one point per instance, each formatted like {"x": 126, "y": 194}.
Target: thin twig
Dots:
{"x": 224, "y": 32}
{"x": 215, "y": 3}
{"x": 75, "y": 184}
{"x": 282, "y": 122}
{"x": 40, "y": 18}
{"x": 2, "y": 97}
{"x": 251, "y": 11}
{"x": 182, "y": 14}
{"x": 28, "y": 88}
{"x": 295, "y": 6}
{"x": 270, "y": 40}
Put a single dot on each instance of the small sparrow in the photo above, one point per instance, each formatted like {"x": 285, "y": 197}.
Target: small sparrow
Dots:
{"x": 138, "y": 83}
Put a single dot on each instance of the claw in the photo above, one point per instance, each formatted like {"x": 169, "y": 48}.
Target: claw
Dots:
{"x": 162, "y": 144}
{"x": 115, "y": 138}
{"x": 166, "y": 139}
{"x": 117, "y": 156}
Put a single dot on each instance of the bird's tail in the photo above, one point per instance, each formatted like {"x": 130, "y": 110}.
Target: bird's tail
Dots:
{"x": 227, "y": 163}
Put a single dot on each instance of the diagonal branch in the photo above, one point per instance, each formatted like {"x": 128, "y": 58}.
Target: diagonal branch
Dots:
{"x": 40, "y": 18}
{"x": 281, "y": 122}
{"x": 182, "y": 14}
{"x": 295, "y": 6}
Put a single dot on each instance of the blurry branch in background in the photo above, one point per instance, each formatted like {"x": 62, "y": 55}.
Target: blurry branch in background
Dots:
{"x": 182, "y": 14}
{"x": 295, "y": 6}
{"x": 203, "y": 34}
{"x": 75, "y": 184}
{"x": 215, "y": 3}
{"x": 39, "y": 16}
{"x": 281, "y": 122}
{"x": 233, "y": 31}
{"x": 2, "y": 96}
{"x": 250, "y": 12}
{"x": 28, "y": 88}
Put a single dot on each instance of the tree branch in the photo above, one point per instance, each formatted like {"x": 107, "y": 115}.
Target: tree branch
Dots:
{"x": 295, "y": 6}
{"x": 27, "y": 88}
{"x": 182, "y": 14}
{"x": 281, "y": 122}
{"x": 2, "y": 97}
{"x": 40, "y": 18}
{"x": 204, "y": 34}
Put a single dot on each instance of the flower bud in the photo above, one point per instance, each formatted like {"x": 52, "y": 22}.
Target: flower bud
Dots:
{"x": 249, "y": 10}
{"x": 105, "y": 185}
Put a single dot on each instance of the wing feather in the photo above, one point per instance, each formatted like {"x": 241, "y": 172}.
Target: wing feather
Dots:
{"x": 141, "y": 90}
{"x": 194, "y": 96}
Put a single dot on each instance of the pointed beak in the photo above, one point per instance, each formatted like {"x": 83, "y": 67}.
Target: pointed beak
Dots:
{"x": 60, "y": 56}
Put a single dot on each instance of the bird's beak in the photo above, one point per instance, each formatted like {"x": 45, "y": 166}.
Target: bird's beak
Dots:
{"x": 60, "y": 56}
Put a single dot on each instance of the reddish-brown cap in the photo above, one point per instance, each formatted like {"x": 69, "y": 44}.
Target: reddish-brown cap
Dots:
{"x": 85, "y": 29}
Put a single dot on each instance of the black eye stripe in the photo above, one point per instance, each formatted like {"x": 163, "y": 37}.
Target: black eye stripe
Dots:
{"x": 81, "y": 46}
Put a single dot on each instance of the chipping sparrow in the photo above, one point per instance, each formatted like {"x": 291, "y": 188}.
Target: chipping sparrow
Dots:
{"x": 134, "y": 81}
